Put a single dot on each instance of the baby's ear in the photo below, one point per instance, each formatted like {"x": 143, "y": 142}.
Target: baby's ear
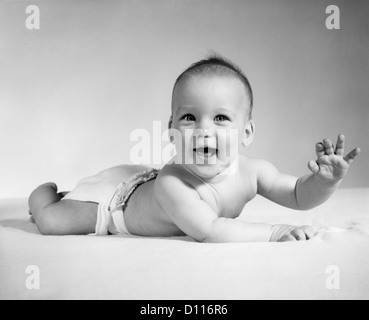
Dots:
{"x": 170, "y": 127}
{"x": 248, "y": 133}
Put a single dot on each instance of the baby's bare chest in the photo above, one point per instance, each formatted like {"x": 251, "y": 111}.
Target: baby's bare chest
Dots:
{"x": 228, "y": 199}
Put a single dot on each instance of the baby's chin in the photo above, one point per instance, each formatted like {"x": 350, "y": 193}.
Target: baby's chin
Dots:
{"x": 208, "y": 168}
{"x": 208, "y": 171}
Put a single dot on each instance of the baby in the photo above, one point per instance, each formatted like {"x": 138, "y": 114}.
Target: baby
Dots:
{"x": 205, "y": 187}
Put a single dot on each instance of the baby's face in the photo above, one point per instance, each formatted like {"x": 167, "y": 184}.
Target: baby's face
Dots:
{"x": 209, "y": 115}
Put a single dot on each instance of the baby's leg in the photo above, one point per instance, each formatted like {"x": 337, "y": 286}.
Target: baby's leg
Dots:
{"x": 55, "y": 217}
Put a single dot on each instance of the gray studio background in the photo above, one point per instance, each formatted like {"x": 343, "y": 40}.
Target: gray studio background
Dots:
{"x": 72, "y": 92}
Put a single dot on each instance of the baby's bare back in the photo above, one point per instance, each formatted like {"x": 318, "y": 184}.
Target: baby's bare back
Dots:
{"x": 144, "y": 215}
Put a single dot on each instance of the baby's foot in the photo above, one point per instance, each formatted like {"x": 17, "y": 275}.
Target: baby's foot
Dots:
{"x": 41, "y": 197}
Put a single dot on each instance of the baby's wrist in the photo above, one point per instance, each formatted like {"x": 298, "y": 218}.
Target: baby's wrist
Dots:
{"x": 327, "y": 183}
{"x": 280, "y": 230}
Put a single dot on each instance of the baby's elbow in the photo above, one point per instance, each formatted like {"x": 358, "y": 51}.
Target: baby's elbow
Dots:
{"x": 202, "y": 238}
{"x": 215, "y": 233}
{"x": 208, "y": 239}
{"x": 212, "y": 232}
{"x": 205, "y": 237}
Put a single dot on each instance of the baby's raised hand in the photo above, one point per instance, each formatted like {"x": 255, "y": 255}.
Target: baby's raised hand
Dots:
{"x": 331, "y": 165}
{"x": 286, "y": 233}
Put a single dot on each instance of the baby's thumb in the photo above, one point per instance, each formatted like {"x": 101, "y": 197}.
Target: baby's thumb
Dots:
{"x": 313, "y": 167}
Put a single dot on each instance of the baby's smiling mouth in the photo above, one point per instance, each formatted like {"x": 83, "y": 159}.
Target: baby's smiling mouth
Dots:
{"x": 206, "y": 152}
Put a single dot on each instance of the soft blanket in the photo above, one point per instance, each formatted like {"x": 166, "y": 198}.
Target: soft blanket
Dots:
{"x": 334, "y": 265}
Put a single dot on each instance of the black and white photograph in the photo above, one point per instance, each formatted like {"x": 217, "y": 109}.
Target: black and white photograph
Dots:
{"x": 184, "y": 154}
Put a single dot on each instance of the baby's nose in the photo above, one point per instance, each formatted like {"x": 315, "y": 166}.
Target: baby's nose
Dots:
{"x": 202, "y": 133}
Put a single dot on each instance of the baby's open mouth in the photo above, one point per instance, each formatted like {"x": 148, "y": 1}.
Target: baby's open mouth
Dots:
{"x": 206, "y": 152}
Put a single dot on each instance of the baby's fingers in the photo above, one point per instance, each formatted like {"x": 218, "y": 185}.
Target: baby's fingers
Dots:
{"x": 313, "y": 167}
{"x": 288, "y": 238}
{"x": 309, "y": 232}
{"x": 352, "y": 155}
{"x": 299, "y": 235}
{"x": 340, "y": 147}
{"x": 319, "y": 149}
{"x": 328, "y": 146}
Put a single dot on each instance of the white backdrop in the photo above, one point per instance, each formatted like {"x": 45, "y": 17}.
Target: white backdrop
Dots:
{"x": 72, "y": 92}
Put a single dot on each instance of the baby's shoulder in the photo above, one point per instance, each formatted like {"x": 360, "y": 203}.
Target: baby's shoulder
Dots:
{"x": 170, "y": 171}
{"x": 171, "y": 185}
{"x": 171, "y": 176}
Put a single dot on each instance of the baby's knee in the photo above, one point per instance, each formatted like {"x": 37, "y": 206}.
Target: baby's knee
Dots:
{"x": 47, "y": 222}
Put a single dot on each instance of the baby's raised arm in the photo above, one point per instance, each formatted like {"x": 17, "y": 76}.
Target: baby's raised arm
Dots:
{"x": 198, "y": 220}
{"x": 311, "y": 190}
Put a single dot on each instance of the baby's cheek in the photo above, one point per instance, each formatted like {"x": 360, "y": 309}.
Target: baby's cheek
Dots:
{"x": 228, "y": 144}
{"x": 181, "y": 138}
{"x": 183, "y": 145}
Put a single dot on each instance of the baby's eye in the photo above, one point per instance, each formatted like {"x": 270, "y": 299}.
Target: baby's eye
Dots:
{"x": 221, "y": 118}
{"x": 188, "y": 117}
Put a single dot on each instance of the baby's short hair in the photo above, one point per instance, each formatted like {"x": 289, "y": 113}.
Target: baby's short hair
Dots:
{"x": 218, "y": 66}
